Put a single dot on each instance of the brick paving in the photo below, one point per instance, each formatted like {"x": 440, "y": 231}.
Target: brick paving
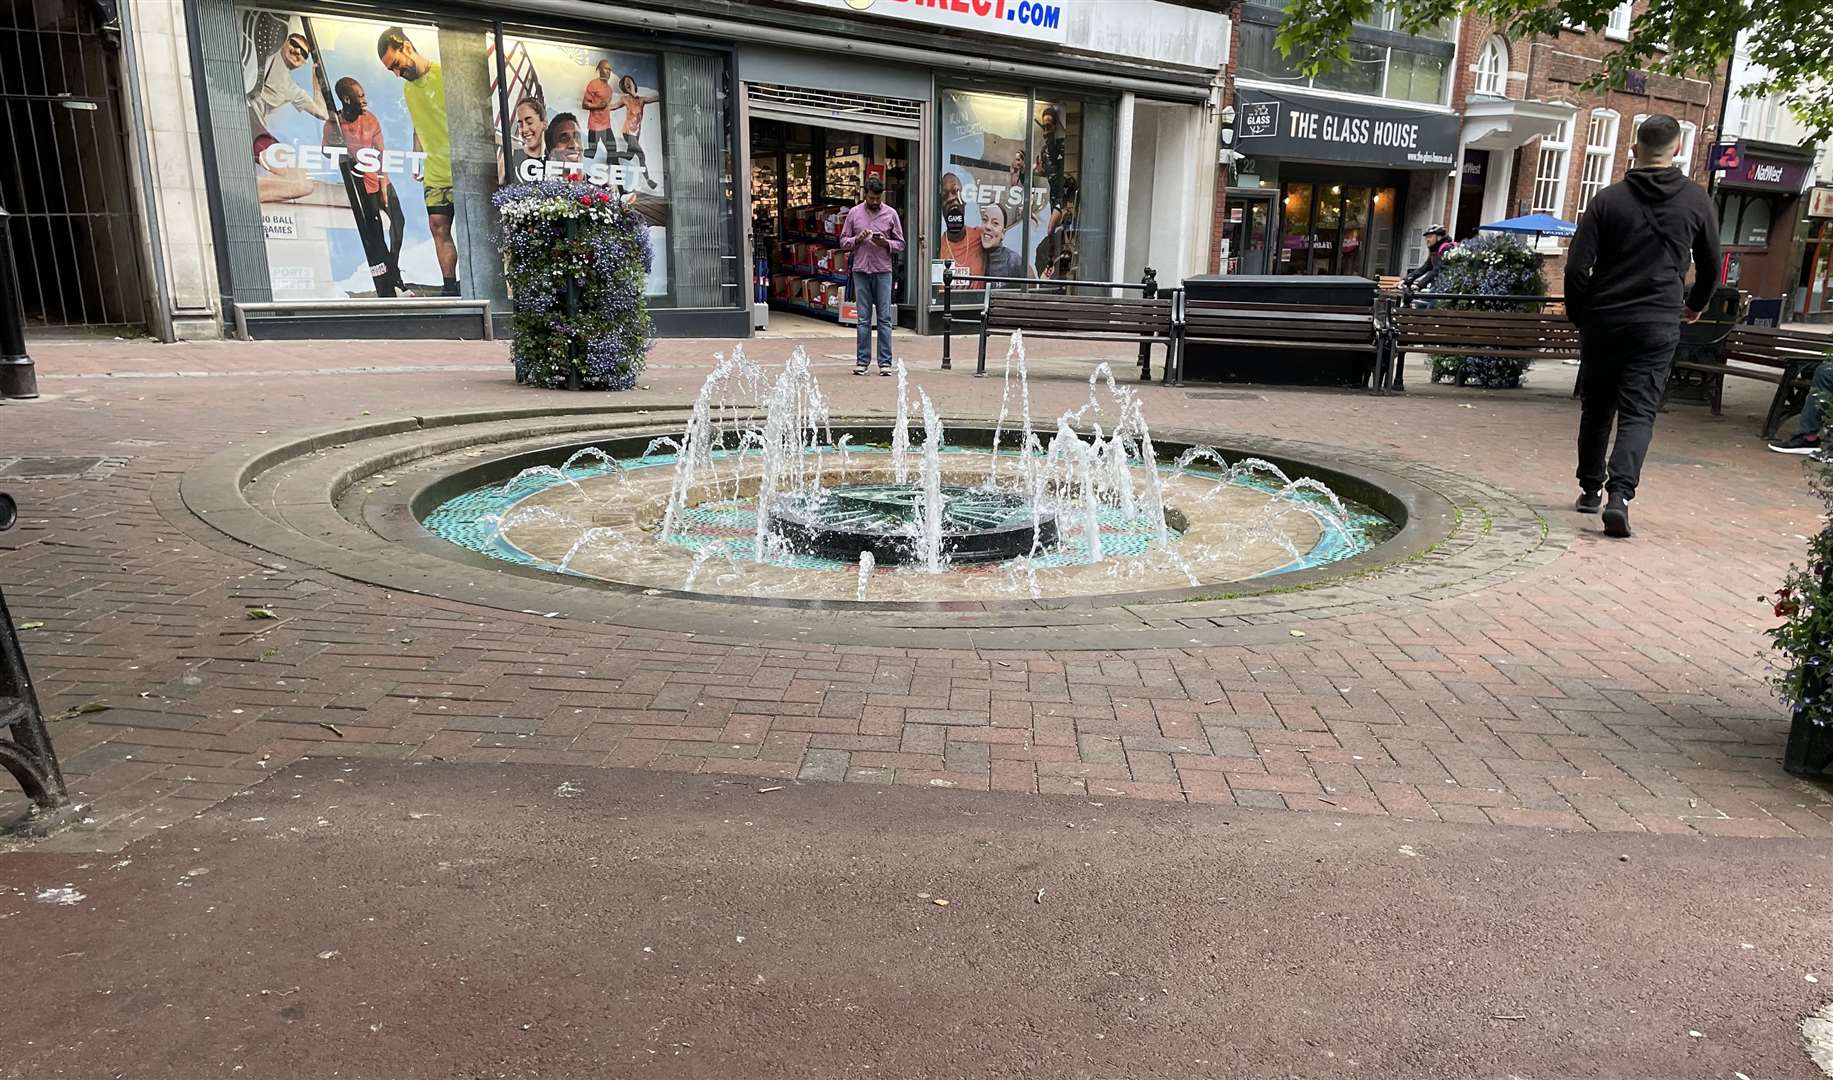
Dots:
{"x": 1619, "y": 686}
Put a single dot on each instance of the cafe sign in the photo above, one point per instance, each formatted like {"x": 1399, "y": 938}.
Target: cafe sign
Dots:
{"x": 1327, "y": 129}
{"x": 1820, "y": 202}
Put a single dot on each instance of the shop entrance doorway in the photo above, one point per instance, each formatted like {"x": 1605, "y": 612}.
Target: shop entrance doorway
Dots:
{"x": 1337, "y": 227}
{"x": 811, "y": 154}
{"x": 1250, "y": 225}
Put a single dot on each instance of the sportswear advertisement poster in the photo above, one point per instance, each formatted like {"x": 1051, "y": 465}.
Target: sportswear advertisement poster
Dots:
{"x": 598, "y": 114}
{"x": 352, "y": 152}
{"x": 1004, "y": 214}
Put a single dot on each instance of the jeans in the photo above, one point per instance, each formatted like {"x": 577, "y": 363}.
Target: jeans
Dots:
{"x": 872, "y": 292}
{"x": 604, "y": 138}
{"x": 1624, "y": 374}
{"x": 1820, "y": 394}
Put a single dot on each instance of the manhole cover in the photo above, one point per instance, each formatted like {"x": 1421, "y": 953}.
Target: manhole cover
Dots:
{"x": 49, "y": 468}
{"x": 1226, "y": 395}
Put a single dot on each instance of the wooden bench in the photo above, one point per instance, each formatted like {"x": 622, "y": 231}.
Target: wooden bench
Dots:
{"x": 1305, "y": 327}
{"x": 1084, "y": 318}
{"x": 1508, "y": 335}
{"x": 1783, "y": 358}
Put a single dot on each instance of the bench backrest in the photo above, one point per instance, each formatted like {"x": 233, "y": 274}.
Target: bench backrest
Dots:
{"x": 1214, "y": 319}
{"x": 1011, "y": 309}
{"x": 1777, "y": 348}
{"x": 1485, "y": 331}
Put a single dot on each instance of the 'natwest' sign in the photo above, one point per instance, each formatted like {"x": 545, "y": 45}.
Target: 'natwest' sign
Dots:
{"x": 1755, "y": 170}
{"x": 1041, "y": 21}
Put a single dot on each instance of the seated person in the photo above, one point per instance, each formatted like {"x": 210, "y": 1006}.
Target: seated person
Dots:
{"x": 1806, "y": 439}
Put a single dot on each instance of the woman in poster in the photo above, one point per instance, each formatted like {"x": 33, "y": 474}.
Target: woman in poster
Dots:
{"x": 633, "y": 104}
{"x": 528, "y": 123}
{"x": 361, "y": 131}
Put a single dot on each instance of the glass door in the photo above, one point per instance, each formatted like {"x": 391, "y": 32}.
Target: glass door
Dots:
{"x": 1249, "y": 224}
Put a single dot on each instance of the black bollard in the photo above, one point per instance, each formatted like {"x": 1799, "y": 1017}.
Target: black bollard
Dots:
{"x": 18, "y": 378}
{"x": 28, "y": 754}
{"x": 948, "y": 312}
{"x": 1150, "y": 292}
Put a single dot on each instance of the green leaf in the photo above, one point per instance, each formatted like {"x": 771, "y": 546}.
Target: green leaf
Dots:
{"x": 261, "y": 613}
{"x": 30, "y": 625}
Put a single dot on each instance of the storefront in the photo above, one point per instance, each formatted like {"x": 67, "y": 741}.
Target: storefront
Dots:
{"x": 354, "y": 150}
{"x": 1813, "y": 299}
{"x": 1332, "y": 185}
{"x": 1760, "y": 204}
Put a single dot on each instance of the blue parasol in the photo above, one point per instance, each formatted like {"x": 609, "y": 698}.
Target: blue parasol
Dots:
{"x": 1538, "y": 224}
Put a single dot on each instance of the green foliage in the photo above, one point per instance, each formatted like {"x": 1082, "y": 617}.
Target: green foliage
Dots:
{"x": 1805, "y": 606}
{"x": 576, "y": 258}
{"x": 1791, "y": 39}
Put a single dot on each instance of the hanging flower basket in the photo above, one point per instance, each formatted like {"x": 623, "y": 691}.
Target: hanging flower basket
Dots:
{"x": 1490, "y": 264}
{"x": 576, "y": 259}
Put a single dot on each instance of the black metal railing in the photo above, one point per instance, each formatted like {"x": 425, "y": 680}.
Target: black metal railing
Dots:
{"x": 28, "y": 753}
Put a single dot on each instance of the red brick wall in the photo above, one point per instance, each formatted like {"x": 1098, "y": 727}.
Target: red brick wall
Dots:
{"x": 1556, "y": 65}
{"x": 1218, "y": 230}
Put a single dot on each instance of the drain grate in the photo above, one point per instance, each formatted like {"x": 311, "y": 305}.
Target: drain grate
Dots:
{"x": 55, "y": 468}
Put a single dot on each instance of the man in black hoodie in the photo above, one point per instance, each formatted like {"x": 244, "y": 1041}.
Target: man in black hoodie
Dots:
{"x": 1627, "y": 294}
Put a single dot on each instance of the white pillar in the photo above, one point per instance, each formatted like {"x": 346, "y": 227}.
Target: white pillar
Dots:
{"x": 181, "y": 204}
{"x": 1123, "y": 186}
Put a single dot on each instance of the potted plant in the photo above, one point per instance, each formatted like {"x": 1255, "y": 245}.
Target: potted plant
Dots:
{"x": 1489, "y": 264}
{"x": 576, "y": 259}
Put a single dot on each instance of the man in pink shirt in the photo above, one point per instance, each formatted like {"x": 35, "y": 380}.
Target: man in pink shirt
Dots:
{"x": 873, "y": 235}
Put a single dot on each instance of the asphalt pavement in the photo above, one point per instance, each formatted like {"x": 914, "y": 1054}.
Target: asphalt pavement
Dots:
{"x": 351, "y": 918}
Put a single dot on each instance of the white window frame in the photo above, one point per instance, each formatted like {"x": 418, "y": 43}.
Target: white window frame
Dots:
{"x": 1616, "y": 25}
{"x": 1492, "y": 68}
{"x": 1600, "y": 156}
{"x": 1553, "y": 170}
{"x": 1683, "y": 157}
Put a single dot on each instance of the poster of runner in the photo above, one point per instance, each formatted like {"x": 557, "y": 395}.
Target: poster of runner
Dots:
{"x": 594, "y": 113}
{"x": 352, "y": 151}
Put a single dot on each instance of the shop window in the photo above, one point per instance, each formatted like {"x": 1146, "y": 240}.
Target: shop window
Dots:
{"x": 367, "y": 160}
{"x": 1015, "y": 198}
{"x": 1600, "y": 155}
{"x": 1408, "y": 75}
{"x": 1743, "y": 220}
{"x": 1492, "y": 68}
{"x": 1415, "y": 76}
{"x": 578, "y": 111}
{"x": 368, "y": 152}
{"x": 1551, "y": 173}
{"x": 1261, "y": 59}
{"x": 1362, "y": 73}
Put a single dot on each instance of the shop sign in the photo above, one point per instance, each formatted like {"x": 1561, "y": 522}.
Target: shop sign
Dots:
{"x": 1820, "y": 202}
{"x": 1761, "y": 172}
{"x": 1042, "y": 21}
{"x": 1319, "y": 129}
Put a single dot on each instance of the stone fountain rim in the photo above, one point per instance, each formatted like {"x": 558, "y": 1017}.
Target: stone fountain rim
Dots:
{"x": 377, "y": 545}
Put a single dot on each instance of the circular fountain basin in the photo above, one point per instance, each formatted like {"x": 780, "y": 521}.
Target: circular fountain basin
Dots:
{"x": 977, "y": 524}
{"x": 604, "y": 521}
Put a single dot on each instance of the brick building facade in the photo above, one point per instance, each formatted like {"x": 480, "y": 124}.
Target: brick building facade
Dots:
{"x": 1538, "y": 140}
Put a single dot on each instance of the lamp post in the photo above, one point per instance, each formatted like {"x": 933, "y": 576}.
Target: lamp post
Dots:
{"x": 18, "y": 379}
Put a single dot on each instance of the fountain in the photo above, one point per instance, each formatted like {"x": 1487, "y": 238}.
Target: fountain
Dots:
{"x": 763, "y": 494}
